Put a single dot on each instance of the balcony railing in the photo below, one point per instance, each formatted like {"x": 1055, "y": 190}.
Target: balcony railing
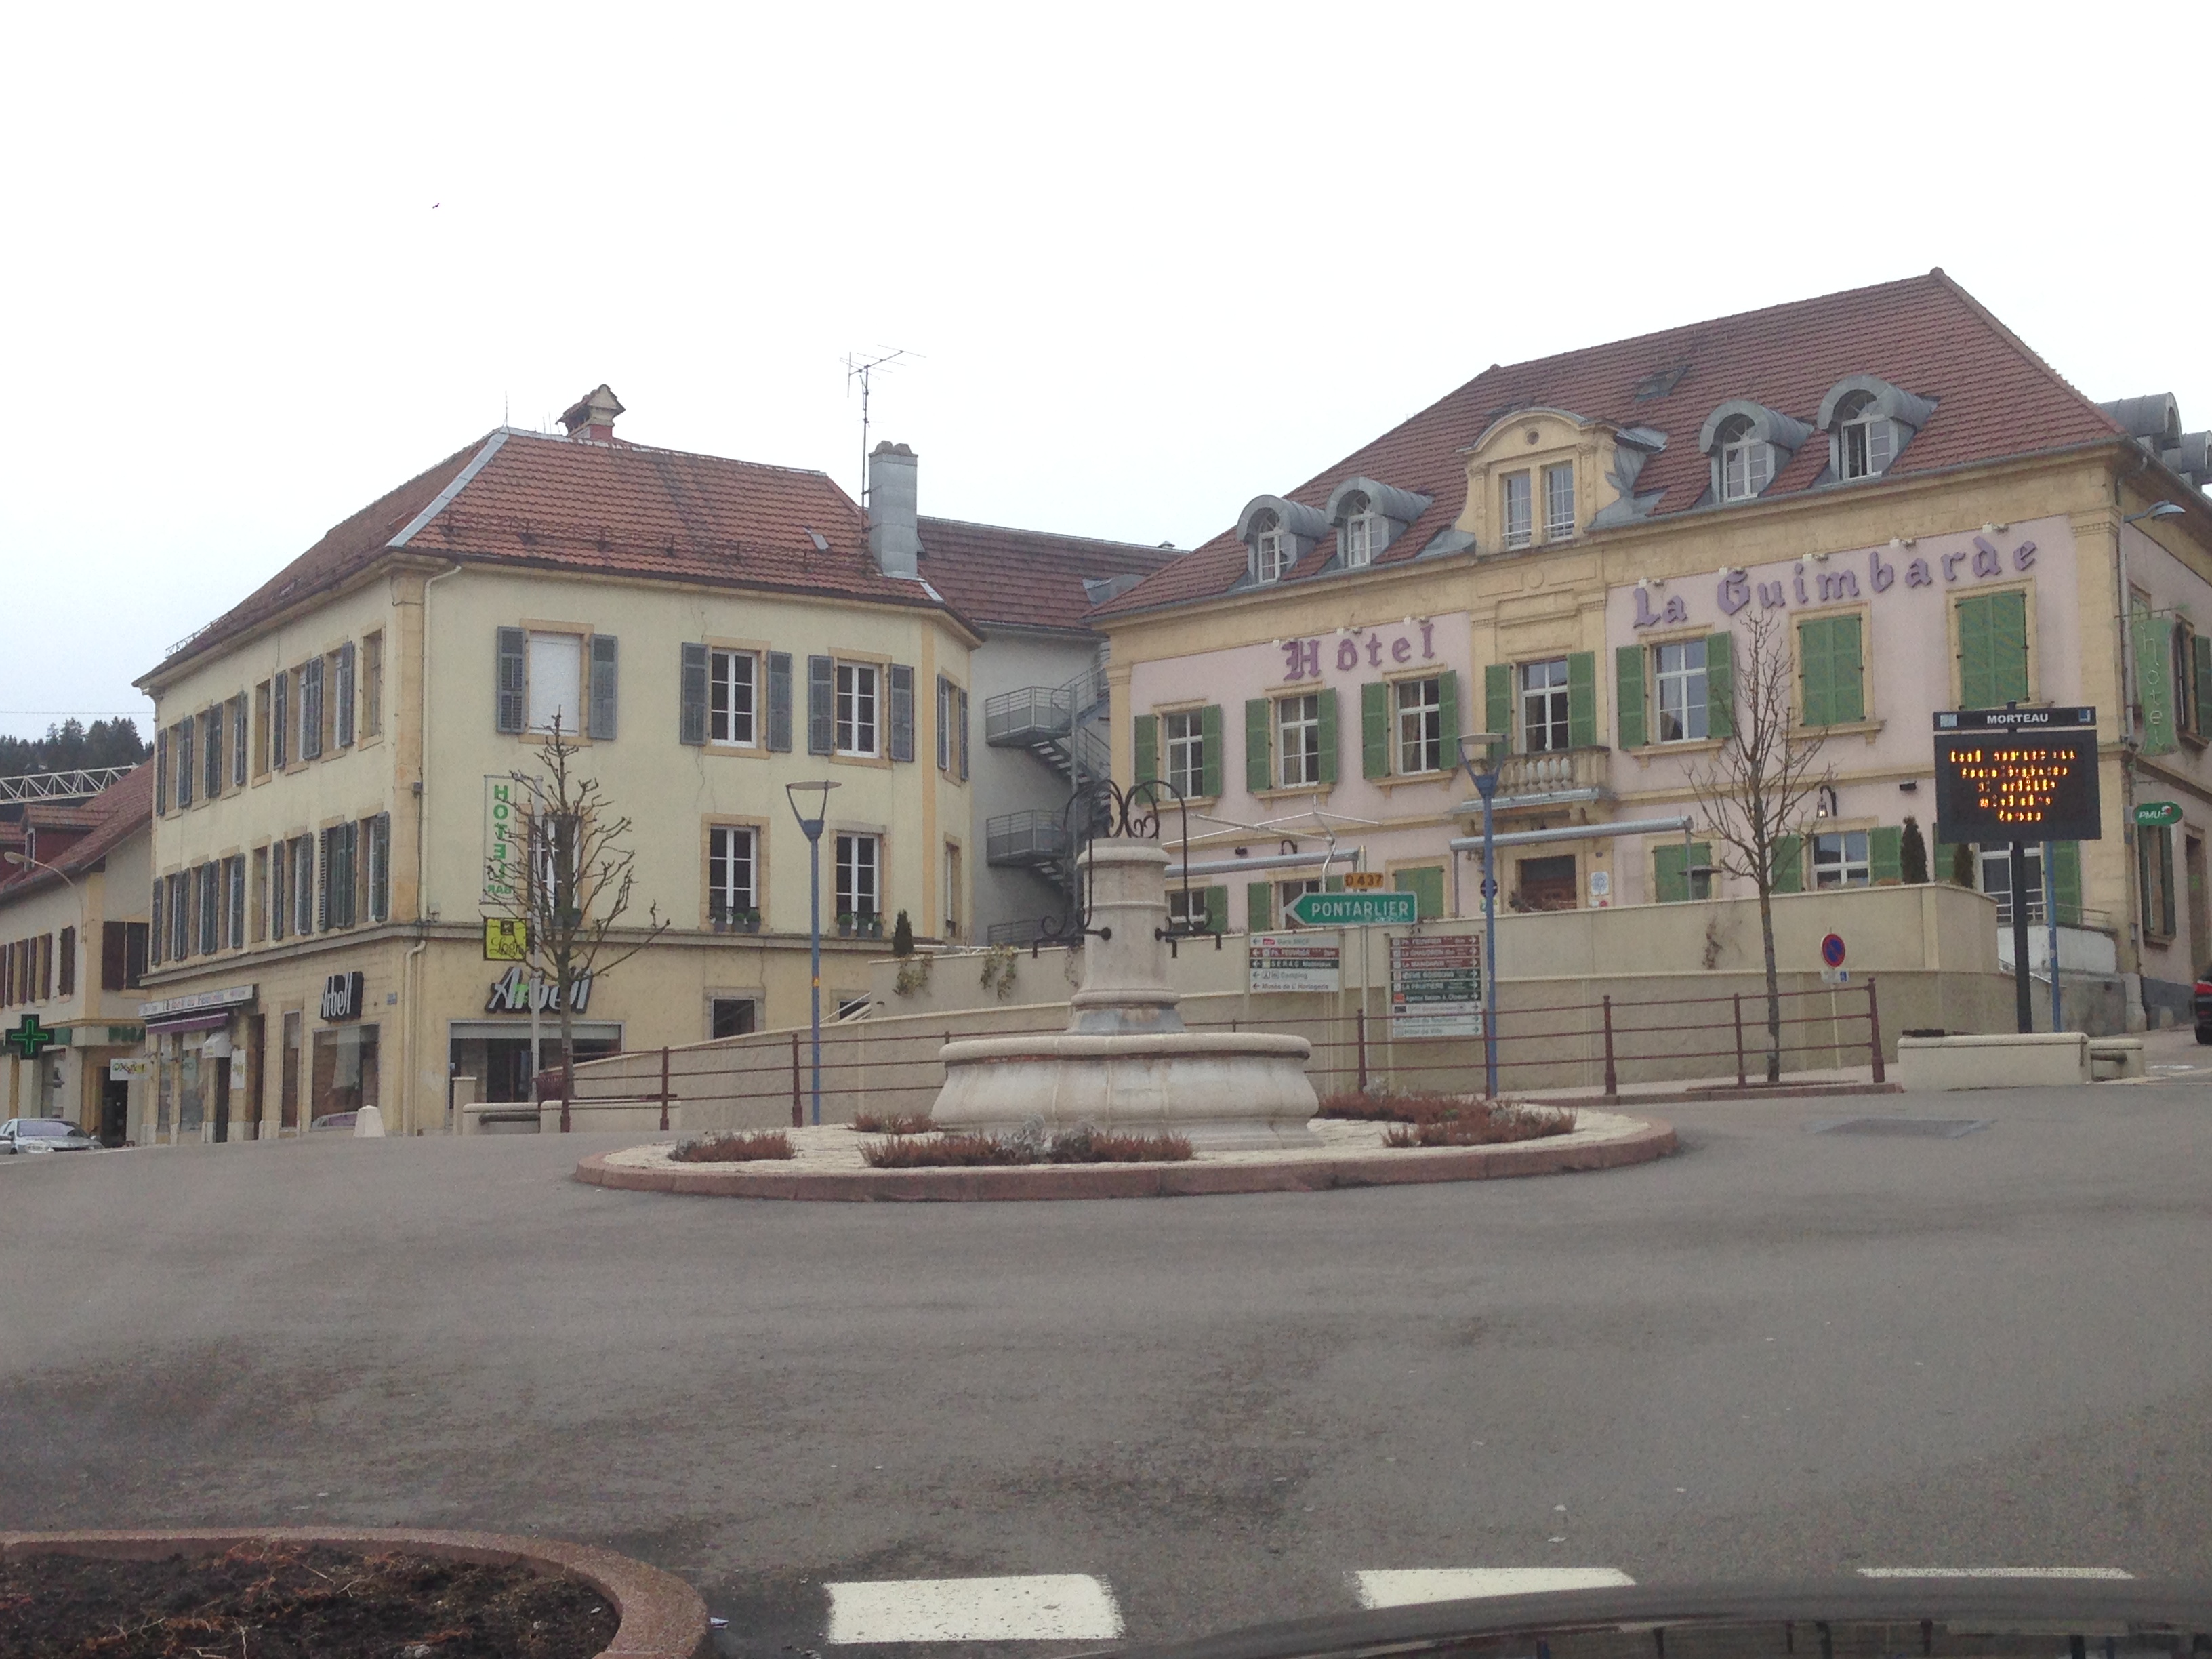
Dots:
{"x": 1580, "y": 773}
{"x": 1034, "y": 714}
{"x": 1026, "y": 839}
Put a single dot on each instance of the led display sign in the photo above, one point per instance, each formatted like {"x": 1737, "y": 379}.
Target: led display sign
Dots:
{"x": 2027, "y": 774}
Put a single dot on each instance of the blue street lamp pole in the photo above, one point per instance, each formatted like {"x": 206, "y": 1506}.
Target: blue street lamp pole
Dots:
{"x": 1486, "y": 785}
{"x": 813, "y": 827}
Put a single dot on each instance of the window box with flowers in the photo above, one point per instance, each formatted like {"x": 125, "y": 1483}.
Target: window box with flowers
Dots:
{"x": 865, "y": 925}
{"x": 729, "y": 920}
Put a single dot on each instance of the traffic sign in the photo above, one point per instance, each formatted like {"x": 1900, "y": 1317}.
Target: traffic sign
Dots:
{"x": 1363, "y": 881}
{"x": 1831, "y": 949}
{"x": 1355, "y": 909}
{"x": 2157, "y": 814}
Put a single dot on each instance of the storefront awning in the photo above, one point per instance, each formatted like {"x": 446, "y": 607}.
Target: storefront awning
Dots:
{"x": 189, "y": 1022}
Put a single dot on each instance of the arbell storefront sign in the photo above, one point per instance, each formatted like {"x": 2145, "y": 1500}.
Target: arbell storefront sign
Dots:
{"x": 341, "y": 996}
{"x": 514, "y": 992}
{"x": 1833, "y": 581}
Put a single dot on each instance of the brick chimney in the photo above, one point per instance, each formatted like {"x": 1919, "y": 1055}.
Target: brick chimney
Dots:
{"x": 591, "y": 418}
{"x": 894, "y": 533}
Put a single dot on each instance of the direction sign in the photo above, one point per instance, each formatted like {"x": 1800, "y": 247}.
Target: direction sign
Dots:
{"x": 1355, "y": 909}
{"x": 2157, "y": 814}
{"x": 1435, "y": 985}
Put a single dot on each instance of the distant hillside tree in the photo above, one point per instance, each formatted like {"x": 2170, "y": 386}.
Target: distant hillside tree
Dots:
{"x": 73, "y": 745}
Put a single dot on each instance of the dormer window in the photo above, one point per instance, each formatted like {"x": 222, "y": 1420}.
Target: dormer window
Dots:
{"x": 1268, "y": 562}
{"x": 1364, "y": 535}
{"x": 1747, "y": 461}
{"x": 1514, "y": 515}
{"x": 1369, "y": 515}
{"x": 1869, "y": 421}
{"x": 1748, "y": 444}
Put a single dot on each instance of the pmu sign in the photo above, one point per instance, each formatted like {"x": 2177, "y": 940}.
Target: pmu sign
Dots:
{"x": 2024, "y": 774}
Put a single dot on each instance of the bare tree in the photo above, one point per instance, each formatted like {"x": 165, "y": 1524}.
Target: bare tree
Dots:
{"x": 574, "y": 890}
{"x": 1754, "y": 790}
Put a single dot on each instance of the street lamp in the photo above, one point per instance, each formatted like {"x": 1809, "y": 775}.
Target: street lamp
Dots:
{"x": 812, "y": 826}
{"x": 1478, "y": 754}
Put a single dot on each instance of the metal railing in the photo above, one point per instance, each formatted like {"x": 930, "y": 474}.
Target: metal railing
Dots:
{"x": 1026, "y": 839}
{"x": 79, "y": 785}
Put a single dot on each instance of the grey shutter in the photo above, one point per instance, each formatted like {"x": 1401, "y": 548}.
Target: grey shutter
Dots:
{"x": 821, "y": 705}
{"x": 605, "y": 654}
{"x": 963, "y": 736}
{"x": 778, "y": 701}
{"x": 901, "y": 712}
{"x": 345, "y": 696}
{"x": 691, "y": 696}
{"x": 280, "y": 707}
{"x": 512, "y": 708}
{"x": 323, "y": 886}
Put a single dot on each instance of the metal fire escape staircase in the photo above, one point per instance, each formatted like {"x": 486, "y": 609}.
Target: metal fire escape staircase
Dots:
{"x": 1064, "y": 726}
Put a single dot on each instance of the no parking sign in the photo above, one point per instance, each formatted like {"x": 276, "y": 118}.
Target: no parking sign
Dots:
{"x": 1832, "y": 955}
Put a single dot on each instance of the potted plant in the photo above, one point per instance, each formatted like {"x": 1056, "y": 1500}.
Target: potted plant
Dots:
{"x": 864, "y": 924}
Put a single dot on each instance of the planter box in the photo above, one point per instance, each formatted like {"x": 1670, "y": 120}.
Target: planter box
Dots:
{"x": 2042, "y": 1060}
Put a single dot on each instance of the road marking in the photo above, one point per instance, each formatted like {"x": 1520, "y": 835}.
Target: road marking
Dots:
{"x": 1052, "y": 1607}
{"x": 1993, "y": 1572}
{"x": 1411, "y": 1587}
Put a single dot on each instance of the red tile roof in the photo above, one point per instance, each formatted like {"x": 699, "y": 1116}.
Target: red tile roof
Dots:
{"x": 1025, "y": 578}
{"x": 124, "y": 805}
{"x": 1995, "y": 399}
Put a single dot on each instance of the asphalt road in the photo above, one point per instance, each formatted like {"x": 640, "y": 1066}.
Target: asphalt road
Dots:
{"x": 1777, "y": 1354}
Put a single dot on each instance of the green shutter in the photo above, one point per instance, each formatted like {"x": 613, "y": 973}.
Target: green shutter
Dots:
{"x": 1993, "y": 650}
{"x": 2066, "y": 879}
{"x": 1375, "y": 730}
{"x": 2154, "y": 682}
{"x": 1886, "y": 854}
{"x": 1217, "y": 910}
{"x": 1447, "y": 716}
{"x": 1628, "y": 695}
{"x": 1816, "y": 670}
{"x": 1209, "y": 731}
{"x": 1259, "y": 906}
{"x": 1720, "y": 685}
{"x": 1257, "y": 774}
{"x": 1426, "y": 884}
{"x": 1671, "y": 863}
{"x": 2201, "y": 668}
{"x": 1498, "y": 705}
{"x": 1833, "y": 671}
{"x": 1789, "y": 852}
{"x": 1144, "y": 735}
{"x": 1327, "y": 706}
{"x": 1582, "y": 700}
{"x": 1849, "y": 657}
{"x": 1332, "y": 884}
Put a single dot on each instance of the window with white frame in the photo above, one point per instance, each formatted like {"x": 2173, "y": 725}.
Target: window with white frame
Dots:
{"x": 1746, "y": 462}
{"x": 1559, "y": 503}
{"x": 1839, "y": 859}
{"x": 1186, "y": 741}
{"x": 1544, "y": 725}
{"x": 1362, "y": 532}
{"x": 955, "y": 884}
{"x": 732, "y": 683}
{"x": 1514, "y": 510}
{"x": 859, "y": 877}
{"x": 1995, "y": 869}
{"x": 1186, "y": 908}
{"x": 1866, "y": 441}
{"x": 732, "y": 896}
{"x": 1421, "y": 725}
{"x": 1297, "y": 740}
{"x": 1680, "y": 669}
{"x": 556, "y": 682}
{"x": 945, "y": 706}
{"x": 1270, "y": 548}
{"x": 856, "y": 707}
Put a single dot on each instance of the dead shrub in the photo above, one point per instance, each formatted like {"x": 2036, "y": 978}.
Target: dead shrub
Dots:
{"x": 1482, "y": 1123}
{"x": 1081, "y": 1144}
{"x": 733, "y": 1148}
{"x": 904, "y": 1123}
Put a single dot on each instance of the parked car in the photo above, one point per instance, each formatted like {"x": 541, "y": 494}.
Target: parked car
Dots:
{"x": 2201, "y": 1001}
{"x": 337, "y": 1122}
{"x": 43, "y": 1134}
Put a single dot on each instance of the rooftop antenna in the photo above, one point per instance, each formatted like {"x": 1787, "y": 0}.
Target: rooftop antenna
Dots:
{"x": 863, "y": 369}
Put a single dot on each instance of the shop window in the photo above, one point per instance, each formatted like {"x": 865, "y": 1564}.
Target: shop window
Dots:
{"x": 1544, "y": 706}
{"x": 1559, "y": 503}
{"x": 1514, "y": 510}
{"x": 1840, "y": 860}
{"x": 732, "y": 698}
{"x": 2154, "y": 872}
{"x": 1679, "y": 670}
{"x": 345, "y": 1074}
{"x": 732, "y": 898}
{"x": 729, "y": 1016}
{"x": 1831, "y": 671}
{"x": 859, "y": 879}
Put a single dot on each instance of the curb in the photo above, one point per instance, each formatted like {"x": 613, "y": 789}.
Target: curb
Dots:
{"x": 662, "y": 1617}
{"x": 1654, "y": 1139}
{"x": 1721, "y": 1091}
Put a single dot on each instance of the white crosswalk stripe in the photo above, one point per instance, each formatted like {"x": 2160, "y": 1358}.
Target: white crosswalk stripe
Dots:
{"x": 1993, "y": 1572}
{"x": 1064, "y": 1606}
{"x": 1410, "y": 1587}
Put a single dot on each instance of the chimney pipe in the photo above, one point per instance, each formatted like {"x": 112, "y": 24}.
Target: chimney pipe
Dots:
{"x": 894, "y": 533}
{"x": 591, "y": 418}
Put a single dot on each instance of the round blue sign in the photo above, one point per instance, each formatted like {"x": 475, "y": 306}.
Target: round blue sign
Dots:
{"x": 1831, "y": 949}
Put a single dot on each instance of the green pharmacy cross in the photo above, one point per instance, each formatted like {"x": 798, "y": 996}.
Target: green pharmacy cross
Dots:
{"x": 29, "y": 1036}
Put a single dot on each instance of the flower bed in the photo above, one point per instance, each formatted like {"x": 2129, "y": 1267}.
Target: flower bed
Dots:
{"x": 1441, "y": 1120}
{"x": 1081, "y": 1144}
{"x": 732, "y": 1149}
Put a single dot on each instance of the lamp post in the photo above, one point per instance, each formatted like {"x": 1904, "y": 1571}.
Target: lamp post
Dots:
{"x": 812, "y": 826}
{"x": 1477, "y": 753}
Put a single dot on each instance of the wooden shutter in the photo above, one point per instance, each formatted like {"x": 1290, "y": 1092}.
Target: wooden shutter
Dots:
{"x": 1671, "y": 863}
{"x": 1217, "y": 910}
{"x": 66, "y": 975}
{"x": 323, "y": 886}
{"x": 1375, "y": 730}
{"x": 1498, "y": 705}
{"x": 161, "y": 771}
{"x": 2066, "y": 882}
{"x": 1628, "y": 695}
{"x": 961, "y": 695}
{"x": 158, "y": 943}
{"x": 1209, "y": 731}
{"x": 1144, "y": 746}
{"x": 692, "y": 695}
{"x": 1448, "y": 717}
{"x": 114, "y": 955}
{"x": 1816, "y": 676}
{"x": 1886, "y": 854}
{"x": 1328, "y": 742}
{"x": 944, "y": 724}
{"x": 606, "y": 654}
{"x": 1993, "y": 650}
{"x": 901, "y": 712}
{"x": 1426, "y": 884}
{"x": 1259, "y": 906}
{"x": 1259, "y": 712}
{"x": 779, "y": 700}
{"x": 2201, "y": 681}
{"x": 821, "y": 705}
{"x": 511, "y": 708}
{"x": 279, "y": 702}
{"x": 1582, "y": 700}
{"x": 1720, "y": 687}
{"x": 1788, "y": 874}
{"x": 344, "y": 689}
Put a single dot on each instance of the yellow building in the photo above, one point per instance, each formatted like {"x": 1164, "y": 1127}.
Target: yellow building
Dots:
{"x": 1570, "y": 553}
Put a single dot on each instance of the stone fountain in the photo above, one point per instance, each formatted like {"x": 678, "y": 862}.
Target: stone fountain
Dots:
{"x": 1127, "y": 1063}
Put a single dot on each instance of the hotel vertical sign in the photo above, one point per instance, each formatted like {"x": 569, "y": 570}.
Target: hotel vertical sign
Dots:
{"x": 502, "y": 840}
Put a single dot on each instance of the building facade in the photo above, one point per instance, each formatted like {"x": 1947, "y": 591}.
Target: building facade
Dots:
{"x": 1573, "y": 553}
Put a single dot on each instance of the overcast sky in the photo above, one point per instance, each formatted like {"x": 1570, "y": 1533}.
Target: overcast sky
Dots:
{"x": 262, "y": 265}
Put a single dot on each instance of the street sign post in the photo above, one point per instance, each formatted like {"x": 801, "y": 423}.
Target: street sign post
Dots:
{"x": 1436, "y": 986}
{"x": 1355, "y": 909}
{"x": 1295, "y": 962}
